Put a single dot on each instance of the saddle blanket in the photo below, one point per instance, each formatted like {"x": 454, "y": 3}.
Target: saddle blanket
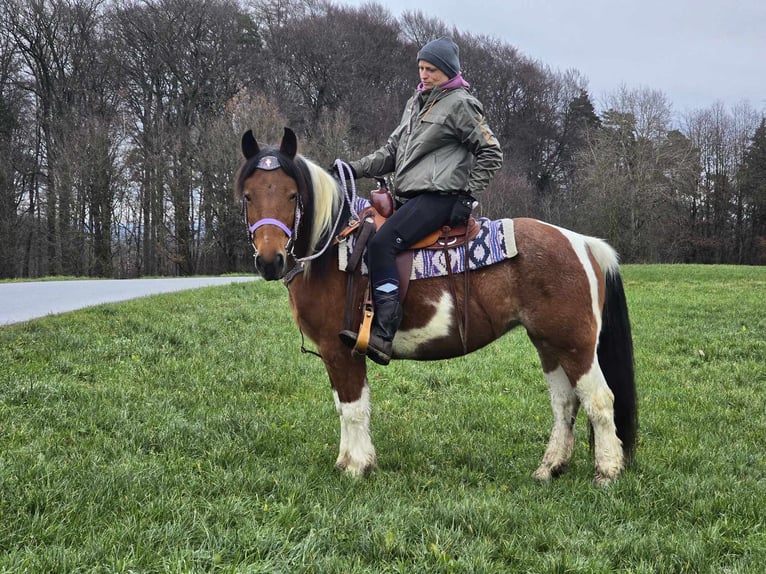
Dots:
{"x": 494, "y": 243}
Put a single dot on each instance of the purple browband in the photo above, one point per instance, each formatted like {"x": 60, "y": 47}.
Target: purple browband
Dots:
{"x": 270, "y": 221}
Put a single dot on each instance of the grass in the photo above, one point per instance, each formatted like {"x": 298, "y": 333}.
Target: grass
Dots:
{"x": 186, "y": 433}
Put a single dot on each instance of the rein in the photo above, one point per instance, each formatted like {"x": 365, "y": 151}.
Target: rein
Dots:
{"x": 343, "y": 167}
{"x": 345, "y": 170}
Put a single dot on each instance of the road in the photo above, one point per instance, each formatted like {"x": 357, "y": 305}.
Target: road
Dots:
{"x": 21, "y": 302}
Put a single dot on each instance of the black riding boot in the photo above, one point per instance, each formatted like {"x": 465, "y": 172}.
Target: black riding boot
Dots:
{"x": 388, "y": 316}
{"x": 387, "y": 319}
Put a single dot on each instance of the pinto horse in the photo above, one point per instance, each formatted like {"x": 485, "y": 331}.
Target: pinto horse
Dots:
{"x": 564, "y": 288}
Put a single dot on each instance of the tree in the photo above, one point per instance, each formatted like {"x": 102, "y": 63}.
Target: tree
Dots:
{"x": 753, "y": 183}
{"x": 58, "y": 42}
{"x": 120, "y": 122}
{"x": 12, "y": 164}
{"x": 325, "y": 64}
{"x": 418, "y": 28}
{"x": 635, "y": 168}
{"x": 184, "y": 61}
{"x": 722, "y": 137}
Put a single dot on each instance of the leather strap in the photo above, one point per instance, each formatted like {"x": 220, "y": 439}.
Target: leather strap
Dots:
{"x": 462, "y": 322}
{"x": 363, "y": 338}
{"x": 404, "y": 262}
{"x": 365, "y": 233}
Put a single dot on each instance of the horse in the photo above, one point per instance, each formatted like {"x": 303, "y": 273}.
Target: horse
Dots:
{"x": 564, "y": 288}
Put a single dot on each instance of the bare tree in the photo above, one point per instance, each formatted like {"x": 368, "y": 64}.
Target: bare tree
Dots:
{"x": 632, "y": 174}
{"x": 753, "y": 184}
{"x": 185, "y": 60}
{"x": 59, "y": 44}
{"x": 120, "y": 122}
{"x": 722, "y": 138}
{"x": 419, "y": 28}
{"x": 325, "y": 62}
{"x": 14, "y": 167}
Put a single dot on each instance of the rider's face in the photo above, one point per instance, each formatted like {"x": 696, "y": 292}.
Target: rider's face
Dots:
{"x": 430, "y": 75}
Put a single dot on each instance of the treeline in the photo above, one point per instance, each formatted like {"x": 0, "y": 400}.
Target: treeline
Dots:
{"x": 120, "y": 124}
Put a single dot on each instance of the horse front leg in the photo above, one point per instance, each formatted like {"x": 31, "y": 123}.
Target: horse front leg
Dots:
{"x": 348, "y": 375}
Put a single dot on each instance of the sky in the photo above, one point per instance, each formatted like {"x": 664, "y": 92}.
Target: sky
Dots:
{"x": 696, "y": 52}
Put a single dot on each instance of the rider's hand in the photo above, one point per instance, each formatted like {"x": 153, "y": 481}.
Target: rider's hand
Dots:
{"x": 334, "y": 171}
{"x": 461, "y": 210}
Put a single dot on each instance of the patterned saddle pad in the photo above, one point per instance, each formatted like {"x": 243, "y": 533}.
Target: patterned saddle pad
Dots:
{"x": 494, "y": 243}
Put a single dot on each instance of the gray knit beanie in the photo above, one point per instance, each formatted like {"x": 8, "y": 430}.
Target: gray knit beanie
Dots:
{"x": 442, "y": 53}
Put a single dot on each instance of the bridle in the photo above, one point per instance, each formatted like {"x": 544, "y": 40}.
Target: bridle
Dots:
{"x": 269, "y": 221}
{"x": 270, "y": 163}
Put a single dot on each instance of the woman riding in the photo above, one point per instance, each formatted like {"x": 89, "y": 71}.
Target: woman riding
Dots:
{"x": 442, "y": 155}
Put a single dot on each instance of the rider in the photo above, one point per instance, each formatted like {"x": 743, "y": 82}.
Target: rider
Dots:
{"x": 442, "y": 155}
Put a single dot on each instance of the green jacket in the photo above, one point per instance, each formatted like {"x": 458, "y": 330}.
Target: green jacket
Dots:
{"x": 443, "y": 144}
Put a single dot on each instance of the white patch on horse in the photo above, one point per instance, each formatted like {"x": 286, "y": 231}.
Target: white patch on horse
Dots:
{"x": 357, "y": 454}
{"x": 406, "y": 343}
{"x": 565, "y": 405}
{"x": 580, "y": 244}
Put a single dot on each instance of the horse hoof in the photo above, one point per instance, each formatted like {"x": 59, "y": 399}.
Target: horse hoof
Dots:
{"x": 355, "y": 470}
{"x": 602, "y": 480}
{"x": 542, "y": 474}
{"x": 545, "y": 473}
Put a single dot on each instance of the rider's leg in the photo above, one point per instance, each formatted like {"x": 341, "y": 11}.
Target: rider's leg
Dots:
{"x": 411, "y": 222}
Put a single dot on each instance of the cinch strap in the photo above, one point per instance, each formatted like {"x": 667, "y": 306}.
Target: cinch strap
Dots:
{"x": 270, "y": 221}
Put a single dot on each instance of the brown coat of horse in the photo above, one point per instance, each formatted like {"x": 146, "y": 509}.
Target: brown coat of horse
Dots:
{"x": 562, "y": 287}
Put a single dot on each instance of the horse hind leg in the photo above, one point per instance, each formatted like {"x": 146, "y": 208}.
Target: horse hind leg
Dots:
{"x": 565, "y": 405}
{"x": 598, "y": 401}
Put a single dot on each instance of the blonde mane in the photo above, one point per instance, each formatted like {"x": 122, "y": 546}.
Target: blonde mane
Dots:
{"x": 327, "y": 202}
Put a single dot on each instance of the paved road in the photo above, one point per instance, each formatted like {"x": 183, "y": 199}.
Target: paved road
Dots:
{"x": 24, "y": 301}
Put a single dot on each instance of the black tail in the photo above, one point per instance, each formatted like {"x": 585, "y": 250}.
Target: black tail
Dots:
{"x": 615, "y": 356}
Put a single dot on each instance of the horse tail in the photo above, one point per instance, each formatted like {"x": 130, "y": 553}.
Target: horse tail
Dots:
{"x": 615, "y": 349}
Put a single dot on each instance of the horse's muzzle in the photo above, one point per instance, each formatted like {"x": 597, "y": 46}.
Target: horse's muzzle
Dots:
{"x": 272, "y": 269}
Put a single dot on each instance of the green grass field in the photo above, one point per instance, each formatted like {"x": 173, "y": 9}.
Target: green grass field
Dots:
{"x": 187, "y": 433}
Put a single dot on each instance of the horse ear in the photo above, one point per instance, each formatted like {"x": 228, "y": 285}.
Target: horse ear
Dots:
{"x": 249, "y": 145}
{"x": 289, "y": 145}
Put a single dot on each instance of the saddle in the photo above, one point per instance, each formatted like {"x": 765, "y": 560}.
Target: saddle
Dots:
{"x": 382, "y": 207}
{"x": 369, "y": 221}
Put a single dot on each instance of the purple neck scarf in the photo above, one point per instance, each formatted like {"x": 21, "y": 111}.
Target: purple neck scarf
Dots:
{"x": 456, "y": 82}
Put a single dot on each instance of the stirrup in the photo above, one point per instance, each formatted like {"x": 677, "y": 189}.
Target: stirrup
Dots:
{"x": 359, "y": 341}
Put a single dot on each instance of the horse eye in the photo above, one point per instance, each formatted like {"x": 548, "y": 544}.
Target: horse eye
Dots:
{"x": 247, "y": 197}
{"x": 293, "y": 197}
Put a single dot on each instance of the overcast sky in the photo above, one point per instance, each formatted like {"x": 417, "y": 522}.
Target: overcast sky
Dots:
{"x": 696, "y": 52}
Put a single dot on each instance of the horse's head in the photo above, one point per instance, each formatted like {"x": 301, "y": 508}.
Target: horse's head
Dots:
{"x": 269, "y": 190}
{"x": 292, "y": 206}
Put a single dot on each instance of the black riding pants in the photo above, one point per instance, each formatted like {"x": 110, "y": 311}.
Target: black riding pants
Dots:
{"x": 413, "y": 220}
